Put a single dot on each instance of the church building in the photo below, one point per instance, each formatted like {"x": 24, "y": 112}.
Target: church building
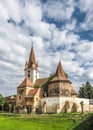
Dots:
{"x": 54, "y": 94}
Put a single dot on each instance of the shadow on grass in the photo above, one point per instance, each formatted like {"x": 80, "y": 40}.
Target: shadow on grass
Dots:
{"x": 87, "y": 124}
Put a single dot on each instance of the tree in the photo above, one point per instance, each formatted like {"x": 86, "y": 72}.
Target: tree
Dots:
{"x": 2, "y": 102}
{"x": 86, "y": 91}
{"x": 45, "y": 85}
{"x": 82, "y": 91}
{"x": 89, "y": 90}
{"x": 10, "y": 107}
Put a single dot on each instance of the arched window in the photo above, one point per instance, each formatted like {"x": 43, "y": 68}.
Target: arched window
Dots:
{"x": 28, "y": 73}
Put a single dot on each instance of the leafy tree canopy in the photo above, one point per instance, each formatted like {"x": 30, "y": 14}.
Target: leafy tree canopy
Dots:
{"x": 2, "y": 100}
{"x": 86, "y": 91}
{"x": 45, "y": 86}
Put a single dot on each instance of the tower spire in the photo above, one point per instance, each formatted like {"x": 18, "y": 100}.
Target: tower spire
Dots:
{"x": 31, "y": 67}
{"x": 32, "y": 59}
{"x": 60, "y": 72}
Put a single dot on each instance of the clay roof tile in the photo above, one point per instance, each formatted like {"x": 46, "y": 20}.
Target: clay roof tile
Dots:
{"x": 60, "y": 72}
{"x": 32, "y": 92}
{"x": 73, "y": 92}
{"x": 40, "y": 81}
{"x": 25, "y": 82}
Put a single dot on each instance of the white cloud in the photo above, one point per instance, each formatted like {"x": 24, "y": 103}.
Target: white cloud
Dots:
{"x": 32, "y": 12}
{"x": 51, "y": 43}
{"x": 84, "y": 51}
{"x": 86, "y": 7}
{"x": 70, "y": 25}
{"x": 10, "y": 9}
{"x": 38, "y": 45}
{"x": 58, "y": 10}
{"x": 3, "y": 12}
{"x": 91, "y": 75}
{"x": 41, "y": 29}
{"x": 88, "y": 23}
{"x": 63, "y": 38}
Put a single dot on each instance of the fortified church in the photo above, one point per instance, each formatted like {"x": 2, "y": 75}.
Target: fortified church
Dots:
{"x": 54, "y": 94}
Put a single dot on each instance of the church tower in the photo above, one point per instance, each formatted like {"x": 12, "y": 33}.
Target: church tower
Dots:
{"x": 60, "y": 85}
{"x": 31, "y": 68}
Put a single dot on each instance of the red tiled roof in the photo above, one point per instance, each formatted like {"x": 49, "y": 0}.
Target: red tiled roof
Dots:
{"x": 60, "y": 72}
{"x": 40, "y": 81}
{"x": 60, "y": 75}
{"x": 25, "y": 82}
{"x": 73, "y": 92}
{"x": 32, "y": 92}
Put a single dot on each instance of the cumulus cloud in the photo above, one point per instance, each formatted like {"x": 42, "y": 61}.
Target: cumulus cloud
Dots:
{"x": 32, "y": 12}
{"x": 10, "y": 9}
{"x": 58, "y": 10}
{"x": 70, "y": 25}
{"x": 88, "y": 24}
{"x": 25, "y": 22}
{"x": 84, "y": 51}
{"x": 86, "y": 7}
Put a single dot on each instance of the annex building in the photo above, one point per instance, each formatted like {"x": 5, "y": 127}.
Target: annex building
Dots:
{"x": 54, "y": 94}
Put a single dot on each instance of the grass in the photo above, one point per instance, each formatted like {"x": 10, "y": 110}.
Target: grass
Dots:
{"x": 86, "y": 124}
{"x": 41, "y": 122}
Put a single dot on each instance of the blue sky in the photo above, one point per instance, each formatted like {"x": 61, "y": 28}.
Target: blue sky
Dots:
{"x": 59, "y": 30}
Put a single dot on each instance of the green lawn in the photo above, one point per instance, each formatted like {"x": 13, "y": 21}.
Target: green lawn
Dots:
{"x": 41, "y": 122}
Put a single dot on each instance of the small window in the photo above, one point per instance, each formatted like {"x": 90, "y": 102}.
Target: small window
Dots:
{"x": 19, "y": 97}
{"x": 28, "y": 71}
{"x": 28, "y": 75}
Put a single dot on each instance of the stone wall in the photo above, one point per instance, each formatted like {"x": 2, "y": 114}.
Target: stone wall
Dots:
{"x": 58, "y": 88}
{"x": 90, "y": 108}
{"x": 64, "y": 104}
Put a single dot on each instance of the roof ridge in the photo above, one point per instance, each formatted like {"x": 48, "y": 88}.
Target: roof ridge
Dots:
{"x": 43, "y": 78}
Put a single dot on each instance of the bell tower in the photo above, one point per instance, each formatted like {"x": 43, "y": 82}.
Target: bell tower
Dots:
{"x": 31, "y": 67}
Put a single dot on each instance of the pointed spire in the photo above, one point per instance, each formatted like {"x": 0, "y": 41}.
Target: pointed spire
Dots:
{"x": 32, "y": 59}
{"x": 60, "y": 72}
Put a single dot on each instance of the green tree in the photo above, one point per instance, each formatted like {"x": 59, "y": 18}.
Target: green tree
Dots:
{"x": 45, "y": 85}
{"x": 86, "y": 91}
{"x": 10, "y": 107}
{"x": 82, "y": 91}
{"x": 14, "y": 95}
{"x": 37, "y": 86}
{"x": 2, "y": 102}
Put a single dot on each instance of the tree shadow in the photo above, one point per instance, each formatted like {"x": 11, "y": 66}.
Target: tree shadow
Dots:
{"x": 87, "y": 124}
